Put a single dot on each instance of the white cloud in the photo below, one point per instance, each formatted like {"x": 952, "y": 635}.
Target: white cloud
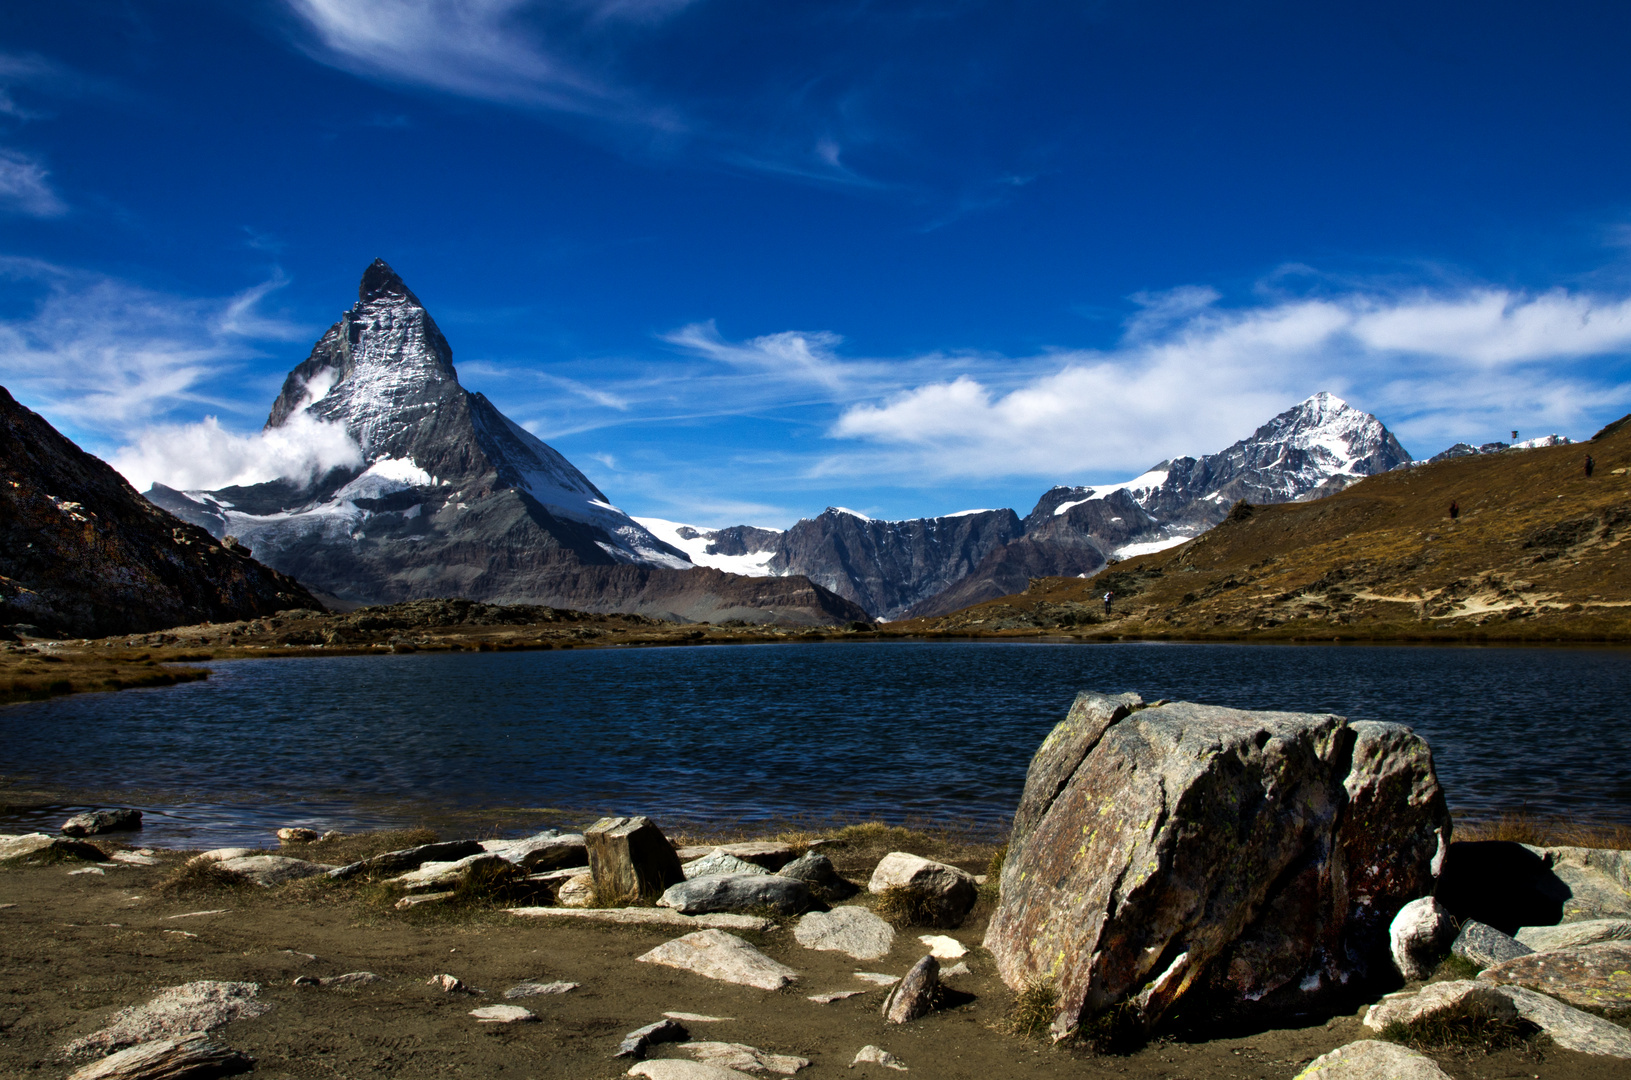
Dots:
{"x": 25, "y": 187}
{"x": 206, "y": 455}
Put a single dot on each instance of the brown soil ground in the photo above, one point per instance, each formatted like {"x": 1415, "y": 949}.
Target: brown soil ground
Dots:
{"x": 76, "y": 948}
{"x": 1533, "y": 557}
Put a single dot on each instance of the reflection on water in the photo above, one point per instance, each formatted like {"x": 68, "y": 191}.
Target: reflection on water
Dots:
{"x": 896, "y": 730}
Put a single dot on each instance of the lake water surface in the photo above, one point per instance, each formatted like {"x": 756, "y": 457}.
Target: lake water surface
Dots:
{"x": 938, "y": 732}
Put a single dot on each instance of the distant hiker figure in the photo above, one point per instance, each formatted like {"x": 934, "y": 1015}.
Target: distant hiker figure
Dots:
{"x": 1590, "y": 465}
{"x": 1108, "y": 597}
{"x": 1455, "y": 510}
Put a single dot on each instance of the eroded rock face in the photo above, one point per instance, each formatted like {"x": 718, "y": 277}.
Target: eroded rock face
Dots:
{"x": 1248, "y": 863}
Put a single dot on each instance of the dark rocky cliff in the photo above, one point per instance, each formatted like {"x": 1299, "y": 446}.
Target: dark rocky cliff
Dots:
{"x": 83, "y": 555}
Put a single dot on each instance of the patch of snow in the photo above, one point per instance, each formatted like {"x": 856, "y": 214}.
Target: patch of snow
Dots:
{"x": 1149, "y": 547}
{"x": 753, "y": 564}
{"x": 384, "y": 477}
{"x": 1544, "y": 440}
{"x": 963, "y": 513}
{"x": 847, "y": 510}
{"x": 1139, "y": 484}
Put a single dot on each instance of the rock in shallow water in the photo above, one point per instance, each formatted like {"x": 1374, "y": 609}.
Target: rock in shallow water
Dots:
{"x": 852, "y": 930}
{"x": 1248, "y": 863}
{"x": 102, "y": 821}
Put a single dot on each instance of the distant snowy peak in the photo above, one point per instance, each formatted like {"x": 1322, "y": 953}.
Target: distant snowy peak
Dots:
{"x": 1462, "y": 449}
{"x": 1341, "y": 438}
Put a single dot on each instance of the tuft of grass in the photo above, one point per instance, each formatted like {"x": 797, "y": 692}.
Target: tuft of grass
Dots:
{"x": 202, "y": 879}
{"x": 902, "y": 906}
{"x": 1033, "y": 1010}
{"x": 991, "y": 891}
{"x": 1469, "y": 1029}
{"x": 1522, "y": 827}
{"x": 1455, "y": 967}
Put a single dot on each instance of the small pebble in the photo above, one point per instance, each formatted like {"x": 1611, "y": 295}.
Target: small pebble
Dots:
{"x": 502, "y": 1014}
{"x": 836, "y": 995}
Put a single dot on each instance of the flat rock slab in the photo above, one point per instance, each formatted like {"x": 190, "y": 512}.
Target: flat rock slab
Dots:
{"x": 718, "y": 955}
{"x": 550, "y": 850}
{"x": 680, "y": 1069}
{"x": 744, "y": 1057}
{"x": 1586, "y": 976}
{"x": 738, "y": 892}
{"x": 435, "y": 876}
{"x": 720, "y": 862}
{"x": 649, "y": 917}
{"x": 942, "y": 947}
{"x": 168, "y": 1059}
{"x": 271, "y": 870}
{"x": 637, "y": 1042}
{"x": 40, "y": 847}
{"x": 1569, "y": 1027}
{"x": 189, "y": 1009}
{"x": 697, "y": 1018}
{"x": 405, "y": 859}
{"x": 349, "y": 980}
{"x": 1373, "y": 1060}
{"x": 533, "y": 989}
{"x": 133, "y": 858}
{"x": 766, "y": 853}
{"x": 835, "y": 995}
{"x": 222, "y": 854}
{"x": 1439, "y": 997}
{"x": 852, "y": 930}
{"x": 503, "y": 1014}
{"x": 1568, "y": 935}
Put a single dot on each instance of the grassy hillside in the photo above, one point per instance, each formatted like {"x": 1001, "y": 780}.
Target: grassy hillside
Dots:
{"x": 1535, "y": 555}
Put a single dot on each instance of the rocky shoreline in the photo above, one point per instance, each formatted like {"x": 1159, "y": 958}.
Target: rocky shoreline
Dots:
{"x": 1186, "y": 889}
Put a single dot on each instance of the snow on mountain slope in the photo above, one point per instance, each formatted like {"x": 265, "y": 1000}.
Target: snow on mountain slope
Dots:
{"x": 697, "y": 543}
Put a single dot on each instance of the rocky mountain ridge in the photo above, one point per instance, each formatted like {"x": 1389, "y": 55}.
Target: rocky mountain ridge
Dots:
{"x": 83, "y": 555}
{"x": 449, "y": 497}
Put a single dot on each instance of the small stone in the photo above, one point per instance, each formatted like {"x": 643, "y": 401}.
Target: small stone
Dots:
{"x": 835, "y": 995}
{"x": 959, "y": 968}
{"x": 874, "y": 1055}
{"x": 421, "y": 898}
{"x": 578, "y": 891}
{"x": 744, "y": 1057}
{"x": 816, "y": 870}
{"x": 134, "y": 858}
{"x": 304, "y": 956}
{"x": 1420, "y": 935}
{"x": 448, "y": 984}
{"x": 942, "y": 947}
{"x": 1373, "y": 1060}
{"x": 913, "y": 996}
{"x": 718, "y": 955}
{"x": 102, "y": 821}
{"x": 167, "y": 1059}
{"x": 1436, "y": 998}
{"x": 1546, "y": 938}
{"x": 296, "y": 835}
{"x": 737, "y": 892}
{"x": 87, "y": 870}
{"x": 697, "y": 1018}
{"x": 877, "y": 977}
{"x": 637, "y": 1042}
{"x": 1484, "y": 945}
{"x": 349, "y": 979}
{"x": 503, "y": 1014}
{"x": 1596, "y": 977}
{"x": 950, "y": 892}
{"x": 852, "y": 930}
{"x": 532, "y": 989}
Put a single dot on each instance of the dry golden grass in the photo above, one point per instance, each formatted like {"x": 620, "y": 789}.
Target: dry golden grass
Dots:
{"x": 35, "y": 676}
{"x": 1525, "y": 828}
{"x": 1033, "y": 1010}
{"x": 202, "y": 879}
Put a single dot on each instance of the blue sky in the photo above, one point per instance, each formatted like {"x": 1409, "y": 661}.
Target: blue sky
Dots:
{"x": 740, "y": 261}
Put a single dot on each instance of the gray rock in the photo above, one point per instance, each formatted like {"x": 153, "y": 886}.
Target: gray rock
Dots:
{"x": 914, "y": 995}
{"x": 577, "y": 891}
{"x": 271, "y": 870}
{"x": 744, "y": 1057}
{"x": 637, "y": 1042}
{"x": 349, "y": 980}
{"x": 102, "y": 821}
{"x": 168, "y": 1059}
{"x": 1596, "y": 977}
{"x": 876, "y": 1055}
{"x": 737, "y": 892}
{"x": 178, "y": 1011}
{"x": 534, "y": 989}
{"x": 1373, "y": 1060}
{"x": 630, "y": 859}
{"x": 435, "y": 876}
{"x": 1246, "y": 863}
{"x": 770, "y": 854}
{"x": 1569, "y": 1027}
{"x": 294, "y": 834}
{"x": 1461, "y": 994}
{"x": 636, "y": 916}
{"x": 720, "y": 861}
{"x": 718, "y": 955}
{"x": 835, "y": 995}
{"x": 1420, "y": 935}
{"x": 43, "y": 847}
{"x": 1485, "y": 945}
{"x": 680, "y": 1069}
{"x": 503, "y": 1014}
{"x": 551, "y": 850}
{"x": 950, "y": 892}
{"x": 852, "y": 930}
{"x": 398, "y": 862}
{"x": 1545, "y": 938}
{"x": 1598, "y": 881}
{"x": 817, "y": 871}
{"x": 133, "y": 858}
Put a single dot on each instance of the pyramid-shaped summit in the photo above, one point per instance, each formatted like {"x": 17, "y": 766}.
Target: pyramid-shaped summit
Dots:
{"x": 448, "y": 496}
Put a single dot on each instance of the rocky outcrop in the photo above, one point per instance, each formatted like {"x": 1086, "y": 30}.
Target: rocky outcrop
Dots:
{"x": 1243, "y": 863}
{"x": 83, "y": 555}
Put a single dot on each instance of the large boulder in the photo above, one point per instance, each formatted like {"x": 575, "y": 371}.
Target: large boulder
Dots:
{"x": 630, "y": 859}
{"x": 1245, "y": 863}
{"x": 738, "y": 892}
